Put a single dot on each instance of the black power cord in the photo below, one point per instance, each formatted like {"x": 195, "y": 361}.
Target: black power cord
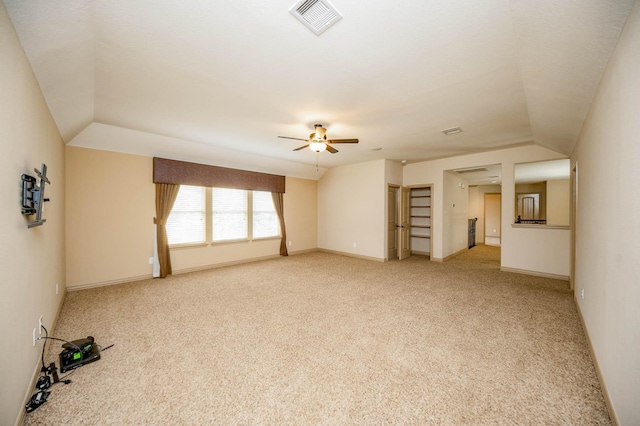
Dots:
{"x": 44, "y": 381}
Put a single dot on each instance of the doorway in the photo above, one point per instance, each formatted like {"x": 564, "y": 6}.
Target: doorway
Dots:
{"x": 420, "y": 220}
{"x": 492, "y": 219}
{"x": 408, "y": 221}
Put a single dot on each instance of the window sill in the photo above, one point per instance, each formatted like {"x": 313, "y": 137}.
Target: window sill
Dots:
{"x": 267, "y": 238}
{"x": 536, "y": 226}
{"x": 218, "y": 243}
{"x": 186, "y": 246}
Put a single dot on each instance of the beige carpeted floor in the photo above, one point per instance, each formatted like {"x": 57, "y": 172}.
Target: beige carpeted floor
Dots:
{"x": 325, "y": 339}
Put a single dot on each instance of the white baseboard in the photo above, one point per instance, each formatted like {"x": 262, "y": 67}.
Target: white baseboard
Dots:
{"x": 293, "y": 253}
{"x": 605, "y": 393}
{"x": 534, "y": 273}
{"x": 36, "y": 372}
{"x": 109, "y": 282}
{"x": 223, "y": 264}
{"x": 359, "y": 256}
{"x": 455, "y": 254}
{"x": 182, "y": 271}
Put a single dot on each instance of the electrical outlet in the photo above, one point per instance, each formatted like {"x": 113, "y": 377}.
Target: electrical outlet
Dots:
{"x": 34, "y": 337}
{"x": 582, "y": 294}
{"x": 40, "y": 325}
{"x": 355, "y": 245}
{"x": 290, "y": 243}
{"x": 151, "y": 261}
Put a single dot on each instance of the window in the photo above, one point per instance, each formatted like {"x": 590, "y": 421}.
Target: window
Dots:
{"x": 265, "y": 218}
{"x": 227, "y": 215}
{"x": 186, "y": 223}
{"x": 229, "y": 212}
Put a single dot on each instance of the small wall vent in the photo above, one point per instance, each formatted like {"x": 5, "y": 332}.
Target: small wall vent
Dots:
{"x": 317, "y": 15}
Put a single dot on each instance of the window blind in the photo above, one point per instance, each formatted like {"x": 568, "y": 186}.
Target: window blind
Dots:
{"x": 229, "y": 208}
{"x": 265, "y": 219}
{"x": 186, "y": 223}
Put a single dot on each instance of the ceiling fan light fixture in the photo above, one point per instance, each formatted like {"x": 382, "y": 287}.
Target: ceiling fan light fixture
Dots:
{"x": 317, "y": 146}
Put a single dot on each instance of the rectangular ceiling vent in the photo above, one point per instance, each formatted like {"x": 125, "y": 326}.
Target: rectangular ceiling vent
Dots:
{"x": 472, "y": 170}
{"x": 317, "y": 15}
{"x": 452, "y": 131}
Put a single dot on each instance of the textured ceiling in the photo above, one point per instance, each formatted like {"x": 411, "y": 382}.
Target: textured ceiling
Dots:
{"x": 217, "y": 82}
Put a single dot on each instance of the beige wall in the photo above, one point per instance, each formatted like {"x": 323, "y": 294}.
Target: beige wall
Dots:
{"x": 558, "y": 202}
{"x": 608, "y": 229}
{"x": 455, "y": 214}
{"x": 516, "y": 253}
{"x": 31, "y": 260}
{"x": 352, "y": 209}
{"x": 110, "y": 231}
{"x": 301, "y": 214}
{"x": 492, "y": 210}
{"x": 110, "y": 211}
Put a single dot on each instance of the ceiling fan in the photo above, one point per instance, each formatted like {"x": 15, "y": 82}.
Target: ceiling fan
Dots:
{"x": 318, "y": 141}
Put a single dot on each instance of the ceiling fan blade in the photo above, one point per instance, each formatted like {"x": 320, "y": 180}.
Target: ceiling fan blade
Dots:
{"x": 302, "y": 147}
{"x": 343, "y": 141}
{"x": 296, "y": 139}
{"x": 331, "y": 149}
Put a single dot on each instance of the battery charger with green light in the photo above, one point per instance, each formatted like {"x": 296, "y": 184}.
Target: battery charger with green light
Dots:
{"x": 78, "y": 353}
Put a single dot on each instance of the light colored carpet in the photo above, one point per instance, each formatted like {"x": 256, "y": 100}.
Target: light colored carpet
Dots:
{"x": 326, "y": 339}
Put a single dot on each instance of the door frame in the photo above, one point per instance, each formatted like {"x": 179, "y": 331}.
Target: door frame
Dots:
{"x": 430, "y": 187}
{"x": 396, "y": 238}
{"x": 573, "y": 225}
{"x": 404, "y": 237}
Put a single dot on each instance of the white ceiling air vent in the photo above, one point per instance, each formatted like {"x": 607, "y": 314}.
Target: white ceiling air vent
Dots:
{"x": 452, "y": 130}
{"x": 318, "y": 15}
{"x": 472, "y": 170}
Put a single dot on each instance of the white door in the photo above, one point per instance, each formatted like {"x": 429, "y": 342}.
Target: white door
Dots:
{"x": 405, "y": 223}
{"x": 392, "y": 223}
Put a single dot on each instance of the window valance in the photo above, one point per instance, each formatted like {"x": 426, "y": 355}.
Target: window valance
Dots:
{"x": 185, "y": 173}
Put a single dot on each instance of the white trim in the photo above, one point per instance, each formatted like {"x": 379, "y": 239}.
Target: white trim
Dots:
{"x": 359, "y": 256}
{"x": 605, "y": 393}
{"x": 532, "y": 225}
{"x": 37, "y": 372}
{"x": 109, "y": 282}
{"x": 534, "y": 273}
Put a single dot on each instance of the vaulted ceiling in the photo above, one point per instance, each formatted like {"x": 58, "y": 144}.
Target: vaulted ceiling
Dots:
{"x": 217, "y": 82}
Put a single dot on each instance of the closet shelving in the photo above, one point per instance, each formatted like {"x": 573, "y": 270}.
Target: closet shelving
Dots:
{"x": 420, "y": 216}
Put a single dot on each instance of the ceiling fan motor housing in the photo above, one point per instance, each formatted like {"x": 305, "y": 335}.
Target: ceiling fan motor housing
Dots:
{"x": 320, "y": 134}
